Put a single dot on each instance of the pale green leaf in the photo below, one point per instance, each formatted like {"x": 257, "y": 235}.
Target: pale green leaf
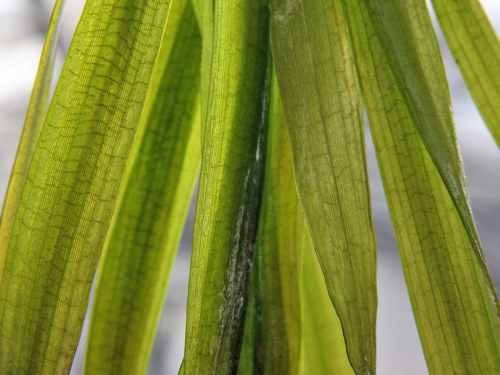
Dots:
{"x": 35, "y": 117}
{"x": 407, "y": 102}
{"x": 148, "y": 220}
{"x": 323, "y": 110}
{"x": 476, "y": 49}
{"x": 235, "y": 58}
{"x": 323, "y": 349}
{"x": 73, "y": 182}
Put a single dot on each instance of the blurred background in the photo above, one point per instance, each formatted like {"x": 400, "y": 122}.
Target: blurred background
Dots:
{"x": 23, "y": 24}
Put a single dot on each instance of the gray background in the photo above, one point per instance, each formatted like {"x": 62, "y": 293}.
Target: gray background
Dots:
{"x": 23, "y": 24}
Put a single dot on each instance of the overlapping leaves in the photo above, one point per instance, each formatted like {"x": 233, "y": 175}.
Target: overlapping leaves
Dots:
{"x": 257, "y": 301}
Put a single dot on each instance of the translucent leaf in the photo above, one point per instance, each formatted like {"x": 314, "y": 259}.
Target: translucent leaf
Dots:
{"x": 407, "y": 102}
{"x": 35, "y": 117}
{"x": 148, "y": 221}
{"x": 235, "y": 58}
{"x": 323, "y": 349}
{"x": 323, "y": 111}
{"x": 272, "y": 341}
{"x": 476, "y": 49}
{"x": 73, "y": 182}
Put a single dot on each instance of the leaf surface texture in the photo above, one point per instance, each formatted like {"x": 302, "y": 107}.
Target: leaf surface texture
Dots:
{"x": 234, "y": 110}
{"x": 35, "y": 117}
{"x": 73, "y": 182}
{"x": 148, "y": 221}
{"x": 408, "y": 106}
{"x": 323, "y": 110}
{"x": 272, "y": 341}
{"x": 476, "y": 49}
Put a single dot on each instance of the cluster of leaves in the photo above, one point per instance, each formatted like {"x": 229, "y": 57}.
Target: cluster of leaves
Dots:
{"x": 283, "y": 222}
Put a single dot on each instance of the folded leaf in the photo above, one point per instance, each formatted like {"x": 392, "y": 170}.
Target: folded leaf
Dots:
{"x": 452, "y": 296}
{"x": 324, "y": 115}
{"x": 148, "y": 220}
{"x": 273, "y": 334}
{"x": 73, "y": 182}
{"x": 476, "y": 49}
{"x": 236, "y": 60}
{"x": 291, "y": 325}
{"x": 35, "y": 117}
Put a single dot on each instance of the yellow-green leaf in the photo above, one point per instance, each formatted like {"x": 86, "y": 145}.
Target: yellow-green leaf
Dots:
{"x": 147, "y": 223}
{"x": 476, "y": 49}
{"x": 323, "y": 349}
{"x": 235, "y": 58}
{"x": 204, "y": 10}
{"x": 407, "y": 102}
{"x": 35, "y": 117}
{"x": 73, "y": 182}
{"x": 323, "y": 110}
{"x": 291, "y": 325}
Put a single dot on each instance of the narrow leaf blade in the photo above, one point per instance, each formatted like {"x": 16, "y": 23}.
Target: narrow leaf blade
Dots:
{"x": 35, "y": 117}
{"x": 291, "y": 325}
{"x": 73, "y": 182}
{"x": 272, "y": 341}
{"x": 476, "y": 48}
{"x": 410, "y": 47}
{"x": 323, "y": 110}
{"x": 235, "y": 57}
{"x": 147, "y": 224}
{"x": 453, "y": 303}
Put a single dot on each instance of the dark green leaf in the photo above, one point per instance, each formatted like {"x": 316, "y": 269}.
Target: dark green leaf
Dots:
{"x": 273, "y": 333}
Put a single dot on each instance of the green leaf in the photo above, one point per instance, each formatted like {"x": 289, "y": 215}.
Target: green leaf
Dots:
{"x": 476, "y": 49}
{"x": 323, "y": 349}
{"x": 73, "y": 182}
{"x": 405, "y": 33}
{"x": 291, "y": 325}
{"x": 235, "y": 58}
{"x": 35, "y": 117}
{"x": 152, "y": 207}
{"x": 407, "y": 102}
{"x": 273, "y": 333}
{"x": 204, "y": 10}
{"x": 323, "y": 109}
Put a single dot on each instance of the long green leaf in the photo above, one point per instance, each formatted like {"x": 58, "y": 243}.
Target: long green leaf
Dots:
{"x": 148, "y": 221}
{"x": 73, "y": 182}
{"x": 35, "y": 117}
{"x": 236, "y": 59}
{"x": 323, "y": 109}
{"x": 291, "y": 325}
{"x": 323, "y": 349}
{"x": 449, "y": 286}
{"x": 405, "y": 33}
{"x": 476, "y": 49}
{"x": 274, "y": 335}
